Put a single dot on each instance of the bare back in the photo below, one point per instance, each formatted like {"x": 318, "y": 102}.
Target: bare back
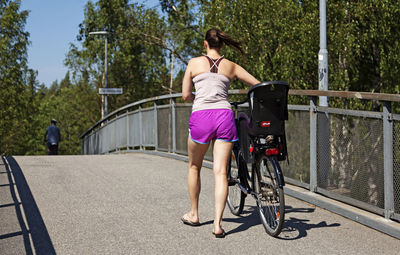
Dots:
{"x": 201, "y": 65}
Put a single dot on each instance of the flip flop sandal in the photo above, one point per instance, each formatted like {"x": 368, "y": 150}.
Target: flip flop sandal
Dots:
{"x": 190, "y": 223}
{"x": 221, "y": 235}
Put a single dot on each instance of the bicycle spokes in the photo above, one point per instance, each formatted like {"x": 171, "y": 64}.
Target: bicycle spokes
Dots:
{"x": 270, "y": 199}
{"x": 236, "y": 197}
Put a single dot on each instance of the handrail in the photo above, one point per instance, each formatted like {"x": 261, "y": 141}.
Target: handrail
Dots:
{"x": 292, "y": 92}
{"x": 347, "y": 94}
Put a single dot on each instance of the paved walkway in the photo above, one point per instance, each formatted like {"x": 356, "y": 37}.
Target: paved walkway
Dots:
{"x": 132, "y": 204}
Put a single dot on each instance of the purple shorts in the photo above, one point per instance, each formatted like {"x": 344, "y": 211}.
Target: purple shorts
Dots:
{"x": 207, "y": 125}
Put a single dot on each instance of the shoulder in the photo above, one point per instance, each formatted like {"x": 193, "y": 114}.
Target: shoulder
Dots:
{"x": 197, "y": 60}
{"x": 228, "y": 65}
{"x": 197, "y": 65}
{"x": 226, "y": 61}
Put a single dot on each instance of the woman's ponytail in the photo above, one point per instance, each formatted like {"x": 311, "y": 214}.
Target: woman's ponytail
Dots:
{"x": 217, "y": 38}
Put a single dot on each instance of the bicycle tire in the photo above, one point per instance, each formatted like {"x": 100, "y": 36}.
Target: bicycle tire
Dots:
{"x": 236, "y": 197}
{"x": 271, "y": 199}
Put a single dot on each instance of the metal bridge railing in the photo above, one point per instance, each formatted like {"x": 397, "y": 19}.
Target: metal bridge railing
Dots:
{"x": 348, "y": 155}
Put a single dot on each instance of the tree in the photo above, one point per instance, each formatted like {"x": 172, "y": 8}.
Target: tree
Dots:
{"x": 277, "y": 36}
{"x": 364, "y": 51}
{"x": 74, "y": 106}
{"x": 13, "y": 70}
{"x": 136, "y": 66}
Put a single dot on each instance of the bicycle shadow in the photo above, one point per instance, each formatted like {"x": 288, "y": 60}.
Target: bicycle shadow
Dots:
{"x": 293, "y": 228}
{"x": 34, "y": 226}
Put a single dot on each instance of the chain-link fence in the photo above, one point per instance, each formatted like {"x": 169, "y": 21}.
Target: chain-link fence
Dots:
{"x": 350, "y": 158}
{"x": 297, "y": 168}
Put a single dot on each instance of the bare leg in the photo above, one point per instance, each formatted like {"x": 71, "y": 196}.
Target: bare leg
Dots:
{"x": 196, "y": 153}
{"x": 222, "y": 153}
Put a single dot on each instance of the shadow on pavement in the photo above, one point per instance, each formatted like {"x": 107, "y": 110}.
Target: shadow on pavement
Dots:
{"x": 36, "y": 227}
{"x": 247, "y": 219}
{"x": 293, "y": 228}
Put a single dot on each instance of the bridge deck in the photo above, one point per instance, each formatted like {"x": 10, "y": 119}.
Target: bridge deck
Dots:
{"x": 132, "y": 204}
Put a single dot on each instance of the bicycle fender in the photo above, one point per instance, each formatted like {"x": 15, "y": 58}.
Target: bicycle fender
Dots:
{"x": 278, "y": 172}
{"x": 244, "y": 172}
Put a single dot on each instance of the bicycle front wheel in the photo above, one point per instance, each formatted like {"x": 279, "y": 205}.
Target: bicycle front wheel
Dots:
{"x": 270, "y": 197}
{"x": 236, "y": 197}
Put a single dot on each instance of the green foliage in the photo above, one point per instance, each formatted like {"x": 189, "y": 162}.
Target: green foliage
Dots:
{"x": 14, "y": 94}
{"x": 276, "y": 36}
{"x": 136, "y": 66}
{"x": 75, "y": 108}
{"x": 281, "y": 39}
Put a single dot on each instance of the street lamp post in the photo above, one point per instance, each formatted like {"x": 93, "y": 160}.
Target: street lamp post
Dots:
{"x": 323, "y": 54}
{"x": 105, "y": 33}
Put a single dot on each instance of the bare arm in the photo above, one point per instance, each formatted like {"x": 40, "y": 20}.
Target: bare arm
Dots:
{"x": 187, "y": 84}
{"x": 244, "y": 76}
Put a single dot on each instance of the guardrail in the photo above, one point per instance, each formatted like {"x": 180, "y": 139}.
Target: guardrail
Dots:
{"x": 348, "y": 155}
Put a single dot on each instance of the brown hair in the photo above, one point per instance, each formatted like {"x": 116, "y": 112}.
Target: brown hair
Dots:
{"x": 217, "y": 38}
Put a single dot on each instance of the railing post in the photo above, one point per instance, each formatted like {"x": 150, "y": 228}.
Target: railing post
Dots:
{"x": 313, "y": 144}
{"x": 127, "y": 130}
{"x": 140, "y": 128}
{"x": 388, "y": 158}
{"x": 155, "y": 126}
{"x": 173, "y": 125}
{"x": 83, "y": 146}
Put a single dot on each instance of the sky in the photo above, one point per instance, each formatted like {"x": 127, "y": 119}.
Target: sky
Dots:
{"x": 53, "y": 25}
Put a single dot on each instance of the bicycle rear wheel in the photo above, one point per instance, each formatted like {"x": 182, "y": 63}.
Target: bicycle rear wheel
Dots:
{"x": 236, "y": 197}
{"x": 271, "y": 200}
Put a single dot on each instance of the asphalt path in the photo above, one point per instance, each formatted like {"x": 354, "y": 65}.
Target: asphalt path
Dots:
{"x": 132, "y": 204}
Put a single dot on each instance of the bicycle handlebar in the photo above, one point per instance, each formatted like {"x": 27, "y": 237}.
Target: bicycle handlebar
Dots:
{"x": 236, "y": 104}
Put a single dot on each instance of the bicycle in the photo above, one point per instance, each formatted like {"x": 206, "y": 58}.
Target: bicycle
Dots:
{"x": 262, "y": 143}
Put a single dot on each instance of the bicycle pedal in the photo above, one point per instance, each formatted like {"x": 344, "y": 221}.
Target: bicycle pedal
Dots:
{"x": 231, "y": 182}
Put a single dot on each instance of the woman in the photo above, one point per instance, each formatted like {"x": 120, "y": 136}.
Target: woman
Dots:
{"x": 211, "y": 119}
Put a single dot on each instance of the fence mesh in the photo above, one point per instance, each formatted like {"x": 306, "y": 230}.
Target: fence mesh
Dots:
{"x": 134, "y": 130}
{"x": 298, "y": 146}
{"x": 350, "y": 157}
{"x": 111, "y": 136}
{"x": 396, "y": 166}
{"x": 148, "y": 127}
{"x": 121, "y": 132}
{"x": 93, "y": 143}
{"x": 164, "y": 128}
{"x": 182, "y": 119}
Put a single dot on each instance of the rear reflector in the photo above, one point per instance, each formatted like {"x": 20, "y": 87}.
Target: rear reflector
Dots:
{"x": 273, "y": 151}
{"x": 265, "y": 123}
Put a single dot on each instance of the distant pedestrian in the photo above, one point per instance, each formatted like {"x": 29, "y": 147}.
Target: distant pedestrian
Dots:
{"x": 52, "y": 137}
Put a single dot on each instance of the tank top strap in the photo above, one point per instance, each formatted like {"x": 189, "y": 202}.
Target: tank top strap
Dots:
{"x": 214, "y": 63}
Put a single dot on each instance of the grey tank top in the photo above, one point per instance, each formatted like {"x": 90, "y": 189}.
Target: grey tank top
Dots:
{"x": 211, "y": 89}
